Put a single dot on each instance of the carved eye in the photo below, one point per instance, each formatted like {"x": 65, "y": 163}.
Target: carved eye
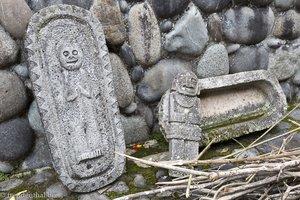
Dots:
{"x": 66, "y": 53}
{"x": 75, "y": 52}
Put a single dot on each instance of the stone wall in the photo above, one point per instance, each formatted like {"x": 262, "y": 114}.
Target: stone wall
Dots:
{"x": 150, "y": 42}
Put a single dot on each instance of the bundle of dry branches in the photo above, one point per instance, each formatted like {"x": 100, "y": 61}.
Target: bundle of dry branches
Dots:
{"x": 275, "y": 175}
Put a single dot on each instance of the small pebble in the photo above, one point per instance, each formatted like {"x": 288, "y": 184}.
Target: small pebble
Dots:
{"x": 166, "y": 26}
{"x": 232, "y": 48}
{"x": 57, "y": 190}
{"x": 5, "y": 167}
{"x": 137, "y": 73}
{"x": 131, "y": 108}
{"x": 139, "y": 181}
{"x": 119, "y": 187}
{"x": 22, "y": 70}
{"x": 10, "y": 184}
{"x": 124, "y": 6}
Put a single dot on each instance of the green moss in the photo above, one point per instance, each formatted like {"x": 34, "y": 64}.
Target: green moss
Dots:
{"x": 3, "y": 177}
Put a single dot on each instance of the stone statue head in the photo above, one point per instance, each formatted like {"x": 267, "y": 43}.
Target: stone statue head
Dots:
{"x": 186, "y": 83}
{"x": 70, "y": 56}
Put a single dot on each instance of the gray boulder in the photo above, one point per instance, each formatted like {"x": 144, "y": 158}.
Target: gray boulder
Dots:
{"x": 158, "y": 79}
{"x": 284, "y": 62}
{"x": 13, "y": 95}
{"x": 144, "y": 34}
{"x": 57, "y": 190}
{"x": 214, "y": 62}
{"x": 17, "y": 139}
{"x": 283, "y": 5}
{"x": 248, "y": 59}
{"x": 122, "y": 82}
{"x": 189, "y": 35}
{"x": 287, "y": 26}
{"x": 135, "y": 129}
{"x": 246, "y": 25}
{"x": 15, "y": 16}
{"x": 210, "y": 6}
{"x": 8, "y": 50}
{"x": 109, "y": 14}
{"x": 168, "y": 8}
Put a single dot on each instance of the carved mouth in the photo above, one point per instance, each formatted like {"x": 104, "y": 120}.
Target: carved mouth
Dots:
{"x": 72, "y": 61}
{"x": 89, "y": 155}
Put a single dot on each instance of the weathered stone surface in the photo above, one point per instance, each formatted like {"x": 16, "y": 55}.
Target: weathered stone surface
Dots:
{"x": 255, "y": 101}
{"x": 13, "y": 95}
{"x": 14, "y": 17}
{"x": 261, "y": 2}
{"x": 8, "y": 50}
{"x": 210, "y": 6}
{"x": 287, "y": 26}
{"x": 284, "y": 62}
{"x": 16, "y": 139}
{"x": 73, "y": 84}
{"x": 189, "y": 35}
{"x": 246, "y": 25}
{"x": 159, "y": 79}
{"x": 214, "y": 26}
{"x": 127, "y": 55}
{"x": 169, "y": 8}
{"x": 57, "y": 190}
{"x": 144, "y": 34}
{"x": 10, "y": 184}
{"x": 214, "y": 62}
{"x": 36, "y": 5}
{"x": 109, "y": 14}
{"x": 135, "y": 129}
{"x": 122, "y": 82}
{"x": 180, "y": 116}
{"x": 248, "y": 59}
{"x": 40, "y": 155}
{"x": 283, "y": 5}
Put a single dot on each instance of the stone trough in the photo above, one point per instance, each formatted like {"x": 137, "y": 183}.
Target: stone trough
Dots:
{"x": 238, "y": 104}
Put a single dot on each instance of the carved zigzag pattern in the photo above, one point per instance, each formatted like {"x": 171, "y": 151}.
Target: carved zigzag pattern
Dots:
{"x": 33, "y": 58}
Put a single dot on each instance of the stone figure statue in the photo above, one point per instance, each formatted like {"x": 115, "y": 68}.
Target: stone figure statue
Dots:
{"x": 180, "y": 118}
{"x": 73, "y": 84}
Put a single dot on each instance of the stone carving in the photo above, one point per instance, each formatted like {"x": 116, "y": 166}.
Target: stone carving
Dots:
{"x": 72, "y": 81}
{"x": 238, "y": 104}
{"x": 181, "y": 111}
{"x": 231, "y": 106}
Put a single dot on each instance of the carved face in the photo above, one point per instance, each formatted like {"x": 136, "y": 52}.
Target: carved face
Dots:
{"x": 187, "y": 84}
{"x": 70, "y": 57}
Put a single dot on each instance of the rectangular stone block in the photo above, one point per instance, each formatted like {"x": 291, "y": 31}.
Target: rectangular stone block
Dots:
{"x": 73, "y": 84}
{"x": 238, "y": 104}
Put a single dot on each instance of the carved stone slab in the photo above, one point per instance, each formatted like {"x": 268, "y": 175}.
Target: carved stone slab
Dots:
{"x": 72, "y": 80}
{"x": 234, "y": 105}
